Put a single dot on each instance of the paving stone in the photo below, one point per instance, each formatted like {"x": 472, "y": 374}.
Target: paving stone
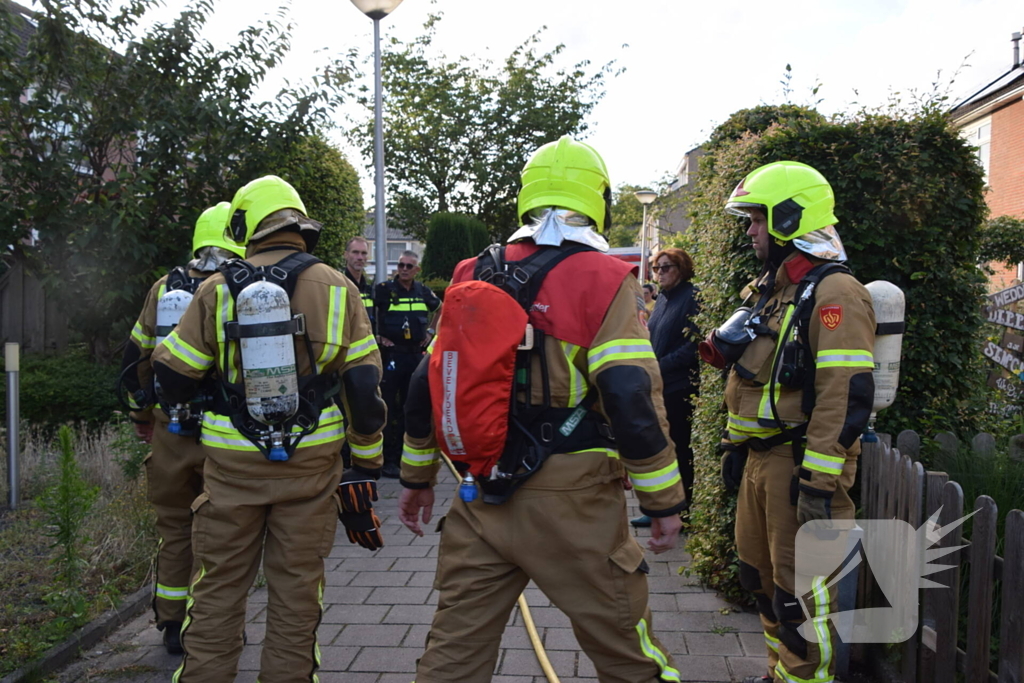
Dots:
{"x": 355, "y": 614}
{"x": 338, "y": 577}
{"x": 372, "y": 635}
{"x": 391, "y": 578}
{"x": 422, "y": 579}
{"x": 662, "y": 602}
{"x": 415, "y": 564}
{"x": 702, "y": 668}
{"x": 390, "y": 595}
{"x": 386, "y": 660}
{"x": 753, "y": 644}
{"x": 713, "y": 644}
{"x": 403, "y": 550}
{"x": 326, "y": 634}
{"x": 347, "y": 595}
{"x": 673, "y": 641}
{"x": 417, "y": 636}
{"x": 250, "y": 659}
{"x": 336, "y": 658}
{"x": 516, "y": 638}
{"x": 748, "y": 666}
{"x": 367, "y": 564}
{"x": 701, "y": 602}
{"x": 410, "y": 614}
{"x": 524, "y": 663}
{"x": 560, "y": 639}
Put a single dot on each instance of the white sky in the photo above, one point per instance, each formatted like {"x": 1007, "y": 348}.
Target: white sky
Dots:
{"x": 688, "y": 64}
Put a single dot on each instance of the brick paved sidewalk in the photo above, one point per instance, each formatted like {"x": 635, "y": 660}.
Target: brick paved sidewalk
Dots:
{"x": 378, "y": 607}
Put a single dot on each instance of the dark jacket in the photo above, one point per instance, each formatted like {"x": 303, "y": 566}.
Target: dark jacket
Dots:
{"x": 674, "y": 337}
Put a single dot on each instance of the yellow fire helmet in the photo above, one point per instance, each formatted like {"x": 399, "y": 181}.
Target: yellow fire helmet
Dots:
{"x": 209, "y": 231}
{"x": 795, "y": 198}
{"x": 570, "y": 175}
{"x": 266, "y": 205}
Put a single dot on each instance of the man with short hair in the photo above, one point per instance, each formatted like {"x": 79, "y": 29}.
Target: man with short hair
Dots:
{"x": 405, "y": 329}
{"x": 356, "y": 252}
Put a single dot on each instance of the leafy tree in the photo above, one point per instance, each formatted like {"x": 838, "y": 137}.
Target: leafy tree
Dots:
{"x": 909, "y": 198}
{"x": 458, "y": 131}
{"x": 111, "y": 157}
{"x": 329, "y": 187}
{"x": 1002, "y": 241}
{"x": 758, "y": 119}
{"x": 451, "y": 237}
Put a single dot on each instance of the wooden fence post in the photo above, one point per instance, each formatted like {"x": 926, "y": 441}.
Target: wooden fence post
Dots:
{"x": 909, "y": 443}
{"x": 947, "y": 600}
{"x": 1017, "y": 448}
{"x": 913, "y": 473}
{"x": 984, "y": 445}
{"x": 1011, "y": 628}
{"x": 979, "y": 604}
{"x": 948, "y": 447}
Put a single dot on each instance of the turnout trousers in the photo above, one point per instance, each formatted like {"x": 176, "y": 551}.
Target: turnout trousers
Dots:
{"x": 174, "y": 478}
{"x": 290, "y": 524}
{"x": 577, "y": 548}
{"x": 766, "y": 530}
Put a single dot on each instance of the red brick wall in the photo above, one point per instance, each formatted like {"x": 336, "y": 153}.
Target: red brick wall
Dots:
{"x": 1005, "y": 196}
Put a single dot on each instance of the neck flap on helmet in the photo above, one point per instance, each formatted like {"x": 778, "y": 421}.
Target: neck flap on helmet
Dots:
{"x": 823, "y": 243}
{"x": 550, "y": 226}
{"x": 209, "y": 258}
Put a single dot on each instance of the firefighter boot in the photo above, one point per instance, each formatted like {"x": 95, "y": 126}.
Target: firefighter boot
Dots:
{"x": 172, "y": 637}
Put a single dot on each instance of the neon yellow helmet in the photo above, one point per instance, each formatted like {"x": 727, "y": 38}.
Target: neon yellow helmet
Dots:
{"x": 209, "y": 231}
{"x": 568, "y": 174}
{"x": 261, "y": 198}
{"x": 795, "y": 198}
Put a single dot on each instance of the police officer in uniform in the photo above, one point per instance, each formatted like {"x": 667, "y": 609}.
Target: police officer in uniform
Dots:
{"x": 565, "y": 527}
{"x": 404, "y": 308}
{"x": 174, "y": 468}
{"x": 799, "y": 396}
{"x": 257, "y": 505}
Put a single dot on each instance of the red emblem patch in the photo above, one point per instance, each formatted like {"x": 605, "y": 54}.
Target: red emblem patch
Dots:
{"x": 831, "y": 316}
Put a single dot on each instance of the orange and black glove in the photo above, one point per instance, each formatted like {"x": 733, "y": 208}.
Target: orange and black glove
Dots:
{"x": 357, "y": 491}
{"x": 363, "y": 528}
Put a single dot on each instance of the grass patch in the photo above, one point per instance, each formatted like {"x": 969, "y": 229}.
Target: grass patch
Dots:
{"x": 114, "y": 556}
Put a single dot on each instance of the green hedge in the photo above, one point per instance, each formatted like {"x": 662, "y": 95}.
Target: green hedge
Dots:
{"x": 910, "y": 204}
{"x": 451, "y": 237}
{"x": 70, "y": 387}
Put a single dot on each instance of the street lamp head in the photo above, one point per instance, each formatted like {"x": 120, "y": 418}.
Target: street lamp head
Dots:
{"x": 376, "y": 9}
{"x": 642, "y": 196}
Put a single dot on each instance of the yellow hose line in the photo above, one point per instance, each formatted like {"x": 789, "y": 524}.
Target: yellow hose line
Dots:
{"x": 524, "y": 608}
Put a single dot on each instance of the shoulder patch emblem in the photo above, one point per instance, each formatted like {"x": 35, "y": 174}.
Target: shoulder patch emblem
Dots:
{"x": 831, "y": 316}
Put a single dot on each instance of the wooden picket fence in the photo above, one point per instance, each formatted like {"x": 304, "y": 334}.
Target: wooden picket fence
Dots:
{"x": 895, "y": 485}
{"x": 27, "y": 315}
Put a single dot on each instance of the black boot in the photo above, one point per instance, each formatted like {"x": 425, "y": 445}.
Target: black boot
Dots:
{"x": 392, "y": 465}
{"x": 172, "y": 637}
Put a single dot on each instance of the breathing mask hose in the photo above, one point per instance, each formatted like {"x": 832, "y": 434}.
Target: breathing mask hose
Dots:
{"x": 524, "y": 608}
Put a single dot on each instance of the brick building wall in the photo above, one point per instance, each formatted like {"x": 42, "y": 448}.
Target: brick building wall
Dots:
{"x": 1005, "y": 195}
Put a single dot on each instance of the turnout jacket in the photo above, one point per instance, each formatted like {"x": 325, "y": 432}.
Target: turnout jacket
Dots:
{"x": 337, "y": 326}
{"x": 141, "y": 344}
{"x": 841, "y": 336}
{"x": 592, "y": 310}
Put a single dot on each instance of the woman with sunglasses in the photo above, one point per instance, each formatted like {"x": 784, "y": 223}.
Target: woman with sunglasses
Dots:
{"x": 674, "y": 338}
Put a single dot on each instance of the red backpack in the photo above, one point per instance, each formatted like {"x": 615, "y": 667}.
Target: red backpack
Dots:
{"x": 481, "y": 359}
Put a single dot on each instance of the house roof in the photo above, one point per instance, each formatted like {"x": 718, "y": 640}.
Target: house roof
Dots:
{"x": 992, "y": 95}
{"x": 390, "y": 234}
{"x": 24, "y": 24}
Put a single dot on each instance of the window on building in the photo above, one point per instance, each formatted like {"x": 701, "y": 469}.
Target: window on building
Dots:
{"x": 395, "y": 250}
{"x": 979, "y": 134}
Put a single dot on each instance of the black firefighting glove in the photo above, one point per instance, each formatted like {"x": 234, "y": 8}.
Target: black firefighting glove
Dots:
{"x": 363, "y": 528}
{"x": 813, "y": 508}
{"x": 734, "y": 458}
{"x": 357, "y": 491}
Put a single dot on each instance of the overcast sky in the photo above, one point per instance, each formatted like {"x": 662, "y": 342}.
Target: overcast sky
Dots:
{"x": 689, "y": 64}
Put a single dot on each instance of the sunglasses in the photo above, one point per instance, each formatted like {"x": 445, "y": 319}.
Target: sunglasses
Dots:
{"x": 658, "y": 269}
{"x": 403, "y": 266}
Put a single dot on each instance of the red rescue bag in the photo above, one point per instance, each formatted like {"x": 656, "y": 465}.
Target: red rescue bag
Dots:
{"x": 471, "y": 369}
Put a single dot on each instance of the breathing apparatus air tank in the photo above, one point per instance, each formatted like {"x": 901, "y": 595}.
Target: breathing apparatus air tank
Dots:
{"x": 169, "y": 309}
{"x": 889, "y": 304}
{"x": 268, "y": 360}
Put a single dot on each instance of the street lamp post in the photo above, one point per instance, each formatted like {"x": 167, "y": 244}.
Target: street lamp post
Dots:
{"x": 645, "y": 197}
{"x": 377, "y": 10}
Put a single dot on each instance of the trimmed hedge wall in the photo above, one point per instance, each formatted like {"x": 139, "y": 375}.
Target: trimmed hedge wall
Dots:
{"x": 909, "y": 198}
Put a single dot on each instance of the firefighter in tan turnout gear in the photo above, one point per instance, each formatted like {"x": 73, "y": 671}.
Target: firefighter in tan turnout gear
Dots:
{"x": 286, "y": 338}
{"x": 589, "y": 372}
{"x": 174, "y": 468}
{"x": 799, "y": 395}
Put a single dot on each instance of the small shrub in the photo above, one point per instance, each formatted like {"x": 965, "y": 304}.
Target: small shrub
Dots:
{"x": 71, "y": 387}
{"x": 452, "y": 237}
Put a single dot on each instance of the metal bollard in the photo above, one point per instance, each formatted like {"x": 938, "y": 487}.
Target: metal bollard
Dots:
{"x": 11, "y": 357}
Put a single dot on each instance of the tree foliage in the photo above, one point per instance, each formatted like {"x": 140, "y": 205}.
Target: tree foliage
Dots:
{"x": 910, "y": 204}
{"x": 451, "y": 237}
{"x": 329, "y": 187}
{"x": 110, "y": 157}
{"x": 758, "y": 119}
{"x": 1002, "y": 241}
{"x": 458, "y": 131}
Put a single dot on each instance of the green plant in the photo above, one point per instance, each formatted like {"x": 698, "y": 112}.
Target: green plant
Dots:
{"x": 129, "y": 451}
{"x": 70, "y": 387}
{"x": 452, "y": 237}
{"x": 67, "y": 504}
{"x": 1002, "y": 240}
